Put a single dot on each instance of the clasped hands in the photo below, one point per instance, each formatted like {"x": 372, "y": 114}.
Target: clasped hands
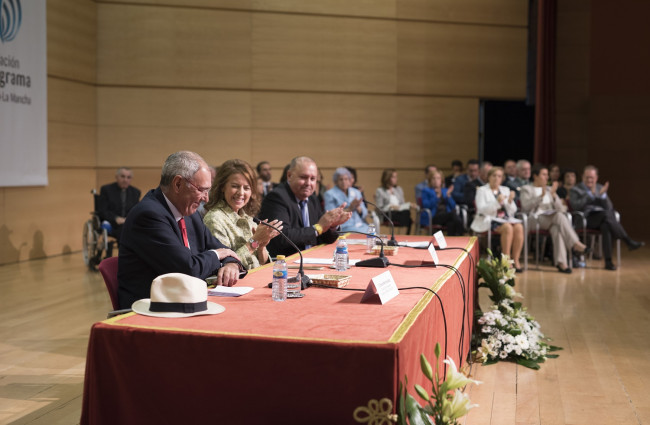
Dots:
{"x": 335, "y": 217}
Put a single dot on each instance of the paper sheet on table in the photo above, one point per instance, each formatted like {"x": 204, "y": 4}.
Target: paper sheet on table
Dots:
{"x": 328, "y": 261}
{"x": 355, "y": 241}
{"x": 421, "y": 244}
{"x": 229, "y": 291}
{"x": 506, "y": 220}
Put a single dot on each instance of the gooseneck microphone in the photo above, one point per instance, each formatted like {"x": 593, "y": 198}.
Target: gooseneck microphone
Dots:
{"x": 392, "y": 241}
{"x": 305, "y": 281}
{"x": 381, "y": 261}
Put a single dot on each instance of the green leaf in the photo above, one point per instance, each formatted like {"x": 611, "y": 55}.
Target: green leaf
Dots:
{"x": 437, "y": 350}
{"x": 490, "y": 361}
{"x": 554, "y": 348}
{"x": 401, "y": 404}
{"x": 414, "y": 412}
{"x": 552, "y": 356}
{"x": 528, "y": 363}
{"x": 426, "y": 366}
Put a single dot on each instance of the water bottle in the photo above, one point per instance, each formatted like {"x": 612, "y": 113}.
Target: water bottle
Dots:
{"x": 279, "y": 286}
{"x": 370, "y": 240}
{"x": 341, "y": 256}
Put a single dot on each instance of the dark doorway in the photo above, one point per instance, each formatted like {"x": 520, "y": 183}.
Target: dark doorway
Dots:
{"x": 507, "y": 131}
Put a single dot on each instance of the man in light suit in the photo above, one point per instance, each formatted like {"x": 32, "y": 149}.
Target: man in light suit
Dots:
{"x": 304, "y": 221}
{"x": 591, "y": 198}
{"x": 115, "y": 201}
{"x": 153, "y": 240}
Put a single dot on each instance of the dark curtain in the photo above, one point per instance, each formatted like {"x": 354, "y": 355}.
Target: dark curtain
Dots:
{"x": 545, "y": 85}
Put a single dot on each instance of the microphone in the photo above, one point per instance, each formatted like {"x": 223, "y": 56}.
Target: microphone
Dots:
{"x": 381, "y": 261}
{"x": 392, "y": 241}
{"x": 305, "y": 281}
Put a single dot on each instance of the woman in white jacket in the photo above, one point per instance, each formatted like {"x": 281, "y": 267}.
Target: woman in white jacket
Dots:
{"x": 495, "y": 209}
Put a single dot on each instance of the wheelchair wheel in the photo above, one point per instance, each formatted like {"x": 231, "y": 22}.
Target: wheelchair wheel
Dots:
{"x": 89, "y": 242}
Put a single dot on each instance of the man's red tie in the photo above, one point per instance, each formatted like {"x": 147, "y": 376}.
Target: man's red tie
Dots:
{"x": 181, "y": 224}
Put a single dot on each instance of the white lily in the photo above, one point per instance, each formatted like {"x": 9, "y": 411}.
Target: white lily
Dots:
{"x": 457, "y": 407}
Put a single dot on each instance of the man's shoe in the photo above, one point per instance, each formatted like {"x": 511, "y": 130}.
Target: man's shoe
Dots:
{"x": 564, "y": 270}
{"x": 610, "y": 266}
{"x": 632, "y": 245}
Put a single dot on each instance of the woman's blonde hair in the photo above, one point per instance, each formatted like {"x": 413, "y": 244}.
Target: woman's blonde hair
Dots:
{"x": 227, "y": 169}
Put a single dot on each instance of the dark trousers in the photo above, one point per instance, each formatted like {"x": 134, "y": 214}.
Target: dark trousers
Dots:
{"x": 401, "y": 219}
{"x": 605, "y": 221}
{"x": 451, "y": 220}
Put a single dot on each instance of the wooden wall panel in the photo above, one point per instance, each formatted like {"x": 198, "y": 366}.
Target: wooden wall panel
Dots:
{"x": 71, "y": 39}
{"x": 462, "y": 60}
{"x": 150, "y": 146}
{"x": 280, "y": 110}
{"x": 294, "y": 52}
{"x": 173, "y": 47}
{"x": 365, "y": 8}
{"x": 146, "y": 107}
{"x": 496, "y": 12}
{"x": 49, "y": 220}
{"x": 71, "y": 145}
{"x": 211, "y": 4}
{"x": 330, "y": 149}
{"x": 70, "y": 102}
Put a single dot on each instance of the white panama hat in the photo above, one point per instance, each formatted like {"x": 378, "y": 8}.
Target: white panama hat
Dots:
{"x": 177, "y": 295}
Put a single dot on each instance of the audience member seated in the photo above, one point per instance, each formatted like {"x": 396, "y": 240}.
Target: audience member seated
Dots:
{"x": 164, "y": 234}
{"x": 437, "y": 199}
{"x": 389, "y": 198}
{"x": 591, "y": 198}
{"x": 354, "y": 182}
{"x": 496, "y": 209}
{"x": 469, "y": 193}
{"x": 567, "y": 181}
{"x": 542, "y": 203}
{"x": 115, "y": 201}
{"x": 264, "y": 171}
{"x": 523, "y": 177}
{"x": 344, "y": 193}
{"x": 510, "y": 170}
{"x": 233, "y": 204}
{"x": 554, "y": 174}
{"x": 456, "y": 170}
{"x": 304, "y": 221}
{"x": 424, "y": 183}
{"x": 459, "y": 184}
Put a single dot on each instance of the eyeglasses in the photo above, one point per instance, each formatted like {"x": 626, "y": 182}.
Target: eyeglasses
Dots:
{"x": 203, "y": 191}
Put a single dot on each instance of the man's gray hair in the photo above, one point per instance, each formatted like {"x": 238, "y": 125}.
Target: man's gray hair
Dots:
{"x": 182, "y": 163}
{"x": 521, "y": 163}
{"x": 117, "y": 172}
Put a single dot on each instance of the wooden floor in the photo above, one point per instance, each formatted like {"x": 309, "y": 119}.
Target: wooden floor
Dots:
{"x": 601, "y": 318}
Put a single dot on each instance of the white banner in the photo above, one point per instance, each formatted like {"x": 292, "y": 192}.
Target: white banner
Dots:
{"x": 23, "y": 93}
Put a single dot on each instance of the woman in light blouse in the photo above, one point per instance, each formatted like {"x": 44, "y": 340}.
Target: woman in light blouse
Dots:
{"x": 496, "y": 201}
{"x": 234, "y": 201}
{"x": 543, "y": 204}
{"x": 390, "y": 199}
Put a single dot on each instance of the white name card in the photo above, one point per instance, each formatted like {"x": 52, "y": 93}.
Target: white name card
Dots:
{"x": 440, "y": 238}
{"x": 434, "y": 254}
{"x": 383, "y": 286}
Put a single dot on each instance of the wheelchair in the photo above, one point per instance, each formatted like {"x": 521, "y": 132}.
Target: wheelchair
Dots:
{"x": 95, "y": 237}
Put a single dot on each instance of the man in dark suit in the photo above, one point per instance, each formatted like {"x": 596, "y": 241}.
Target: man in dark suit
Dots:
{"x": 304, "y": 221}
{"x": 591, "y": 198}
{"x": 116, "y": 200}
{"x": 154, "y": 241}
{"x": 264, "y": 171}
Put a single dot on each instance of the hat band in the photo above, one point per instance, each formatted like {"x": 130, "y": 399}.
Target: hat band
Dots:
{"x": 178, "y": 307}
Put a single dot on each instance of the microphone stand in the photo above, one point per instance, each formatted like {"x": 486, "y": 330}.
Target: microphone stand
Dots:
{"x": 305, "y": 281}
{"x": 392, "y": 241}
{"x": 381, "y": 261}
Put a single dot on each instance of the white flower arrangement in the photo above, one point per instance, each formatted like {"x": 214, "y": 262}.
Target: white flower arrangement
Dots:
{"x": 507, "y": 331}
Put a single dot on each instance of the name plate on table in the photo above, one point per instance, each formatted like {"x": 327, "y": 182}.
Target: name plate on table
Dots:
{"x": 434, "y": 254}
{"x": 440, "y": 238}
{"x": 382, "y": 287}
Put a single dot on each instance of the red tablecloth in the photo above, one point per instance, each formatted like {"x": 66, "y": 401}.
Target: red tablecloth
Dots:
{"x": 310, "y": 360}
